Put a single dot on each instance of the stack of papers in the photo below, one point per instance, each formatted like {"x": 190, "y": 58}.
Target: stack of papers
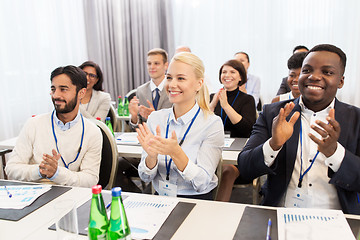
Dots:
{"x": 20, "y": 196}
{"x": 129, "y": 138}
{"x": 305, "y": 223}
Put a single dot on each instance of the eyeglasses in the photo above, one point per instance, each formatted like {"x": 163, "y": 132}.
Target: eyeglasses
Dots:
{"x": 91, "y": 75}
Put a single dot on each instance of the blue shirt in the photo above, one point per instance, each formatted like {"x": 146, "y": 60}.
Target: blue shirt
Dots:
{"x": 252, "y": 86}
{"x": 202, "y": 145}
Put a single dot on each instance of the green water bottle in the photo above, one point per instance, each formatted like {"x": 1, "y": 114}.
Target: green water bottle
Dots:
{"x": 98, "y": 220}
{"x": 108, "y": 123}
{"x": 120, "y": 107}
{"x": 126, "y": 107}
{"x": 119, "y": 226}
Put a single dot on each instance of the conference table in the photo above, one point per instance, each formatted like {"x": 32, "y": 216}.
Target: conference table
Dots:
{"x": 218, "y": 223}
{"x": 206, "y": 219}
{"x": 229, "y": 155}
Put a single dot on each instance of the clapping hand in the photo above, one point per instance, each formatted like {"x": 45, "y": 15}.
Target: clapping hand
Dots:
{"x": 282, "y": 129}
{"x": 49, "y": 164}
{"x": 329, "y": 132}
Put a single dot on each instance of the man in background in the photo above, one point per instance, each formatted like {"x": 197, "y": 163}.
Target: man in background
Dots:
{"x": 61, "y": 147}
{"x": 284, "y": 87}
{"x": 252, "y": 85}
{"x": 151, "y": 96}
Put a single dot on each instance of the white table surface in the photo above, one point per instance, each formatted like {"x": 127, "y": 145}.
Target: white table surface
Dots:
{"x": 131, "y": 151}
{"x": 207, "y": 220}
{"x": 229, "y": 157}
{"x": 223, "y": 219}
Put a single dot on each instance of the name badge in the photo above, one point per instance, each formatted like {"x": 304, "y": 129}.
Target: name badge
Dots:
{"x": 167, "y": 189}
{"x": 297, "y": 198}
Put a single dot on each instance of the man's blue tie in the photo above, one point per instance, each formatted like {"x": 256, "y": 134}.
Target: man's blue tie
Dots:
{"x": 156, "y": 99}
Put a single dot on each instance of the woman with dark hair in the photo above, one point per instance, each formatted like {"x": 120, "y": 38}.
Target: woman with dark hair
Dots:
{"x": 238, "y": 113}
{"x": 96, "y": 103}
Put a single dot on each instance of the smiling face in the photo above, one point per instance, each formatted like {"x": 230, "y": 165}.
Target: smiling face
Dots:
{"x": 230, "y": 78}
{"x": 182, "y": 84}
{"x": 292, "y": 81}
{"x": 156, "y": 67}
{"x": 91, "y": 76}
{"x": 321, "y": 75}
{"x": 64, "y": 95}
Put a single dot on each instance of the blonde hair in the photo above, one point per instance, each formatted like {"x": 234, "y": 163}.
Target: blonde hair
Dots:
{"x": 202, "y": 96}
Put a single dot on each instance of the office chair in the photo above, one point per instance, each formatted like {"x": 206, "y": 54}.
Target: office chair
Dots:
{"x": 109, "y": 156}
{"x": 116, "y": 124}
{"x": 131, "y": 94}
{"x": 218, "y": 173}
{"x": 2, "y": 154}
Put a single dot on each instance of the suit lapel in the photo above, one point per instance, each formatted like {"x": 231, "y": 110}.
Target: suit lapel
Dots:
{"x": 162, "y": 98}
{"x": 292, "y": 144}
{"x": 340, "y": 116}
{"x": 148, "y": 96}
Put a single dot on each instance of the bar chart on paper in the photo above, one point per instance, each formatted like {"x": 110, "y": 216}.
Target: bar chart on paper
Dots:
{"x": 146, "y": 215}
{"x": 298, "y": 223}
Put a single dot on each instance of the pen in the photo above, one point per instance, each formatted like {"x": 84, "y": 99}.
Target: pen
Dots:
{"x": 268, "y": 230}
{"x": 9, "y": 194}
{"x": 107, "y": 206}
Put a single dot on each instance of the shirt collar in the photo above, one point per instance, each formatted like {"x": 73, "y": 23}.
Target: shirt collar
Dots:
{"x": 160, "y": 87}
{"x": 306, "y": 110}
{"x": 67, "y": 125}
{"x": 187, "y": 117}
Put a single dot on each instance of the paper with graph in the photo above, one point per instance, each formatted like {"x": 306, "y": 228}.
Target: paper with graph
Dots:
{"x": 300, "y": 223}
{"x": 20, "y": 196}
{"x": 146, "y": 214}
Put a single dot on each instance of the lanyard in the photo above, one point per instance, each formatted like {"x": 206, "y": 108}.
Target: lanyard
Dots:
{"x": 181, "y": 142}
{"x": 312, "y": 162}
{"x": 232, "y": 104}
{"x": 81, "y": 142}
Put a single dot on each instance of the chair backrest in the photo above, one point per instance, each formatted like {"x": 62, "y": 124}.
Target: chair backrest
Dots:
{"x": 109, "y": 156}
{"x": 131, "y": 94}
{"x": 218, "y": 173}
{"x": 114, "y": 122}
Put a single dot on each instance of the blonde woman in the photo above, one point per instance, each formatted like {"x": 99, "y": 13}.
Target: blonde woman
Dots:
{"x": 183, "y": 144}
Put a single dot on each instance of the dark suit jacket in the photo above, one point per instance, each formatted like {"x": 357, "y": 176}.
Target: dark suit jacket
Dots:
{"x": 284, "y": 87}
{"x": 346, "y": 179}
{"x": 144, "y": 93}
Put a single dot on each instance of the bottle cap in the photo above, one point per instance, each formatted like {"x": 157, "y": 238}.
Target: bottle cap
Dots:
{"x": 98, "y": 118}
{"x": 107, "y": 119}
{"x": 96, "y": 189}
{"x": 119, "y": 96}
{"x": 116, "y": 192}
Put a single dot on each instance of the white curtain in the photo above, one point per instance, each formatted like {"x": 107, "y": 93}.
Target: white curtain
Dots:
{"x": 119, "y": 35}
{"x": 268, "y": 31}
{"x": 36, "y": 37}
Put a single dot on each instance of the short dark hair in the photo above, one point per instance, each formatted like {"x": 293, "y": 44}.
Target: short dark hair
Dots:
{"x": 247, "y": 55}
{"x": 333, "y": 49}
{"x": 238, "y": 66}
{"x": 159, "y": 51}
{"x": 296, "y": 60}
{"x": 300, "y": 47}
{"x": 76, "y": 75}
{"x": 98, "y": 85}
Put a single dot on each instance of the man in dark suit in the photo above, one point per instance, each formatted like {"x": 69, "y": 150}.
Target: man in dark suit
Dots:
{"x": 309, "y": 148}
{"x": 151, "y": 95}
